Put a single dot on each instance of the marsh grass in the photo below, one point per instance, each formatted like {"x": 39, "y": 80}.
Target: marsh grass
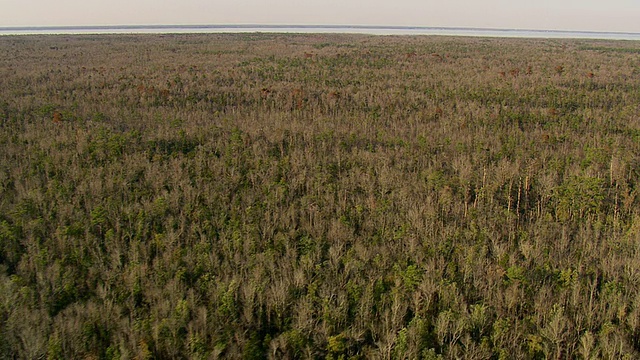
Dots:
{"x": 318, "y": 196}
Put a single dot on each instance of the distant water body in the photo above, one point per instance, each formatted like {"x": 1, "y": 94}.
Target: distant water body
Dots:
{"x": 325, "y": 29}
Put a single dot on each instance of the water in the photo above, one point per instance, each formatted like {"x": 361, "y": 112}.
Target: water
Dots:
{"x": 327, "y": 29}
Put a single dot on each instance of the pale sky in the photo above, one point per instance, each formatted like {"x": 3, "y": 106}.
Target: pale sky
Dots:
{"x": 596, "y": 15}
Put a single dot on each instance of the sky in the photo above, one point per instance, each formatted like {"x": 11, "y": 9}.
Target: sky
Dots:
{"x": 582, "y": 15}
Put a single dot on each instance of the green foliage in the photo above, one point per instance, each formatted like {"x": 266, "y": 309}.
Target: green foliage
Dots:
{"x": 579, "y": 197}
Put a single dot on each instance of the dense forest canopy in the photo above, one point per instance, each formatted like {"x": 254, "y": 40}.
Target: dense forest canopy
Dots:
{"x": 318, "y": 196}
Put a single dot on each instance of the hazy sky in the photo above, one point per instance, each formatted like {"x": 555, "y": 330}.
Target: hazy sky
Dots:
{"x": 598, "y": 15}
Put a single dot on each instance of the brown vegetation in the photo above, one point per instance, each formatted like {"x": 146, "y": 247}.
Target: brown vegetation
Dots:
{"x": 217, "y": 196}
{"x": 529, "y": 70}
{"x": 264, "y": 92}
{"x": 410, "y": 55}
{"x": 57, "y": 117}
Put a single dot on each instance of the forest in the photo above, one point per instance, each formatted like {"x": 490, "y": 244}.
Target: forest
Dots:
{"x": 318, "y": 196}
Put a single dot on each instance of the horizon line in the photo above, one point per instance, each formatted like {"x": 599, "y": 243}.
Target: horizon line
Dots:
{"x": 297, "y": 26}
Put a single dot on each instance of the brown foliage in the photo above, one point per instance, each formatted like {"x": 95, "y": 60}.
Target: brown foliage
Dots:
{"x": 57, "y": 117}
{"x": 298, "y": 97}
